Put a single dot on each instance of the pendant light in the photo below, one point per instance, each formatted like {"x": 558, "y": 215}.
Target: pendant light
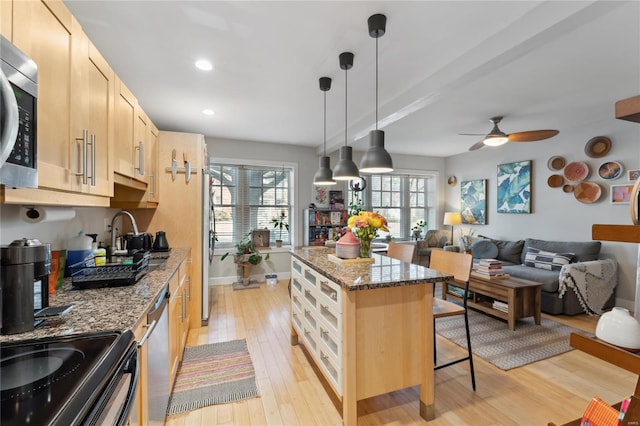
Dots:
{"x": 346, "y": 169}
{"x": 376, "y": 159}
{"x": 324, "y": 175}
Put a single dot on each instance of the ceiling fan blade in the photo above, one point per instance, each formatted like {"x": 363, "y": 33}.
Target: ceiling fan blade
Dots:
{"x": 532, "y": 135}
{"x": 476, "y": 146}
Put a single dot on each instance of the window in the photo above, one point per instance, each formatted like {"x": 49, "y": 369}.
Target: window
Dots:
{"x": 403, "y": 199}
{"x": 247, "y": 197}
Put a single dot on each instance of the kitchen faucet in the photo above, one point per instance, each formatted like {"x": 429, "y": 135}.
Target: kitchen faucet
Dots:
{"x": 113, "y": 229}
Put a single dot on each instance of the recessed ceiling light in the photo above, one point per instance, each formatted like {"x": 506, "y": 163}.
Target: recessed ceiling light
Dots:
{"x": 204, "y": 65}
{"x": 208, "y": 111}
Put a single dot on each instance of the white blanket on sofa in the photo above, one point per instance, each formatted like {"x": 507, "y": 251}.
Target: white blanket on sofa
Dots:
{"x": 593, "y": 282}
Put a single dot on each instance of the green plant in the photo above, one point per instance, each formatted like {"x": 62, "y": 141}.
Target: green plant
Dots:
{"x": 419, "y": 226}
{"x": 280, "y": 222}
{"x": 246, "y": 251}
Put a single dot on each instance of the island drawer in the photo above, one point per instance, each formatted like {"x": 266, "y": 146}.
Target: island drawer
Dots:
{"x": 330, "y": 294}
{"x": 330, "y": 367}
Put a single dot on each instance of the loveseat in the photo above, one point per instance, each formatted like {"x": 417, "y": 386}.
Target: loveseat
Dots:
{"x": 574, "y": 278}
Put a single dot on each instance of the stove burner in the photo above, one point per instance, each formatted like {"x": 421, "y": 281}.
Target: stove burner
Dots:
{"x": 30, "y": 367}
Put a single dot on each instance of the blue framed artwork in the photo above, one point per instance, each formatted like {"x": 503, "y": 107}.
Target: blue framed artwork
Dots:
{"x": 514, "y": 187}
{"x": 473, "y": 201}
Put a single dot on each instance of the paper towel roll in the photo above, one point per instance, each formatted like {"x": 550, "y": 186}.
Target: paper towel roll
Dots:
{"x": 47, "y": 214}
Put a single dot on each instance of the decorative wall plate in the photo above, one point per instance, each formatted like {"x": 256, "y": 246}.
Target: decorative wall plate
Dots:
{"x": 452, "y": 180}
{"x": 576, "y": 171}
{"x": 610, "y": 170}
{"x": 598, "y": 147}
{"x": 555, "y": 181}
{"x": 567, "y": 188}
{"x": 587, "y": 192}
{"x": 556, "y": 163}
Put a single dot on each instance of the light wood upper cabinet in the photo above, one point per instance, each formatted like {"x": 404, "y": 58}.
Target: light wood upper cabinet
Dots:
{"x": 43, "y": 31}
{"x": 125, "y": 106}
{"x": 141, "y": 145}
{"x": 153, "y": 164}
{"x": 75, "y": 93}
{"x": 6, "y": 18}
{"x": 92, "y": 120}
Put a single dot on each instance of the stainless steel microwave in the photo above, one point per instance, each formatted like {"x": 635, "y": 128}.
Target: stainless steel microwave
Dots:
{"x": 18, "y": 102}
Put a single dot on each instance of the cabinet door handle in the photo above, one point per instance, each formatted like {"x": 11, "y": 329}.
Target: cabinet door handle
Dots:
{"x": 140, "y": 149}
{"x": 152, "y": 177}
{"x": 93, "y": 160}
{"x": 85, "y": 142}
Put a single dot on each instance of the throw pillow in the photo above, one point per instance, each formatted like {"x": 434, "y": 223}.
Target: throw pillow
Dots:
{"x": 484, "y": 249}
{"x": 547, "y": 260}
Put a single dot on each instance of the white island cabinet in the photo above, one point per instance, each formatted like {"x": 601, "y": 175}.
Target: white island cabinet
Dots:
{"x": 367, "y": 326}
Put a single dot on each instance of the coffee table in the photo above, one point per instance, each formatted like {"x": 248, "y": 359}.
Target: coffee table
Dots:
{"x": 523, "y": 297}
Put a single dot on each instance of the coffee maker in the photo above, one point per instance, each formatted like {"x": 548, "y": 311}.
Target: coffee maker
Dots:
{"x": 24, "y": 284}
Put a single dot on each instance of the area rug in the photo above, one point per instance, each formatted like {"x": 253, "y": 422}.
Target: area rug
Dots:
{"x": 213, "y": 374}
{"x": 492, "y": 340}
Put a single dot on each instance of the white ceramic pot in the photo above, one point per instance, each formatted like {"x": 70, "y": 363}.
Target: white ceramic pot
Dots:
{"x": 619, "y": 328}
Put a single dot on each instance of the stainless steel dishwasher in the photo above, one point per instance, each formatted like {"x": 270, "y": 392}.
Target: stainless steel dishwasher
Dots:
{"x": 158, "y": 359}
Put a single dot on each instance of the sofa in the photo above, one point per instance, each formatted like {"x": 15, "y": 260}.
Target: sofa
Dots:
{"x": 574, "y": 279}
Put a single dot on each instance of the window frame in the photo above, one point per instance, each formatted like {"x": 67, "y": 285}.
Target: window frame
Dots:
{"x": 238, "y": 164}
{"x": 430, "y": 198}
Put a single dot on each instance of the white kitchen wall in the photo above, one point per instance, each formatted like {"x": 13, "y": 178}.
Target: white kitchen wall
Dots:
{"x": 557, "y": 215}
{"x": 87, "y": 219}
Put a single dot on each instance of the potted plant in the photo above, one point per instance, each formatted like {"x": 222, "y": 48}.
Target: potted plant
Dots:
{"x": 417, "y": 229}
{"x": 245, "y": 255}
{"x": 280, "y": 222}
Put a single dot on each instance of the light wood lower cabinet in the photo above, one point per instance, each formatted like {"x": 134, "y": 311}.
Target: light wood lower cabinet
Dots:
{"x": 175, "y": 304}
{"x": 179, "y": 288}
{"x": 140, "y": 415}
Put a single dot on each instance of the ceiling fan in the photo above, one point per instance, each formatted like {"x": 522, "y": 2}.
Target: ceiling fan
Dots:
{"x": 497, "y": 137}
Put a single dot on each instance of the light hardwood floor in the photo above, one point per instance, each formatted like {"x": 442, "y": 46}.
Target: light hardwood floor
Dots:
{"x": 291, "y": 393}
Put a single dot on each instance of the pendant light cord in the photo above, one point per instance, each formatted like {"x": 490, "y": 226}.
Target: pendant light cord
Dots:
{"x": 377, "y": 83}
{"x": 345, "y": 107}
{"x": 325, "y": 124}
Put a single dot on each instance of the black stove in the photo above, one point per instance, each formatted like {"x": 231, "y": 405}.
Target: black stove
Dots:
{"x": 62, "y": 380}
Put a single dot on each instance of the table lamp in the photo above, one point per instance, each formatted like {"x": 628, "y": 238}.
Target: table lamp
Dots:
{"x": 452, "y": 218}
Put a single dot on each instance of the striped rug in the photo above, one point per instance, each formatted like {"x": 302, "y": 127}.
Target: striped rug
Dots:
{"x": 492, "y": 340}
{"x": 213, "y": 374}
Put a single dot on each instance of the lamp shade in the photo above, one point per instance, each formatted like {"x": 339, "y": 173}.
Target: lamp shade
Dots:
{"x": 376, "y": 159}
{"x": 324, "y": 175}
{"x": 346, "y": 169}
{"x": 452, "y": 218}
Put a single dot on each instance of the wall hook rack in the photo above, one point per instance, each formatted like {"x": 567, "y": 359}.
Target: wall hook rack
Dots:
{"x": 174, "y": 169}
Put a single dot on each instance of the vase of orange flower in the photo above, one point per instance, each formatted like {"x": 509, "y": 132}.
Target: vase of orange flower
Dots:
{"x": 365, "y": 226}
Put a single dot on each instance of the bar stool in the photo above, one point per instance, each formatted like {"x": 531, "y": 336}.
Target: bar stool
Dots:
{"x": 458, "y": 265}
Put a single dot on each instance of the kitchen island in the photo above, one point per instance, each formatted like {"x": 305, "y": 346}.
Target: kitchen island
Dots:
{"x": 368, "y": 326}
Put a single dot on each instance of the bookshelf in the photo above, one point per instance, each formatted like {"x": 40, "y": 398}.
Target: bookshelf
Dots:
{"x": 322, "y": 224}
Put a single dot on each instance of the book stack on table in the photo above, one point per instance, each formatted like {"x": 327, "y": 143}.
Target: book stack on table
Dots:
{"x": 489, "y": 268}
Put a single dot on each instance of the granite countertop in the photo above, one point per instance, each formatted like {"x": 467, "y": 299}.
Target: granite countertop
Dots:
{"x": 105, "y": 309}
{"x": 385, "y": 272}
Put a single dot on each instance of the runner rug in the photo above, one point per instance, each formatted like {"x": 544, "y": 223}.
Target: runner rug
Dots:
{"x": 213, "y": 374}
{"x": 492, "y": 340}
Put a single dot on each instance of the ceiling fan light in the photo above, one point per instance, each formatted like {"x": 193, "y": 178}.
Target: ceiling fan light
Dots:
{"x": 346, "y": 169}
{"x": 495, "y": 140}
{"x": 376, "y": 159}
{"x": 324, "y": 175}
